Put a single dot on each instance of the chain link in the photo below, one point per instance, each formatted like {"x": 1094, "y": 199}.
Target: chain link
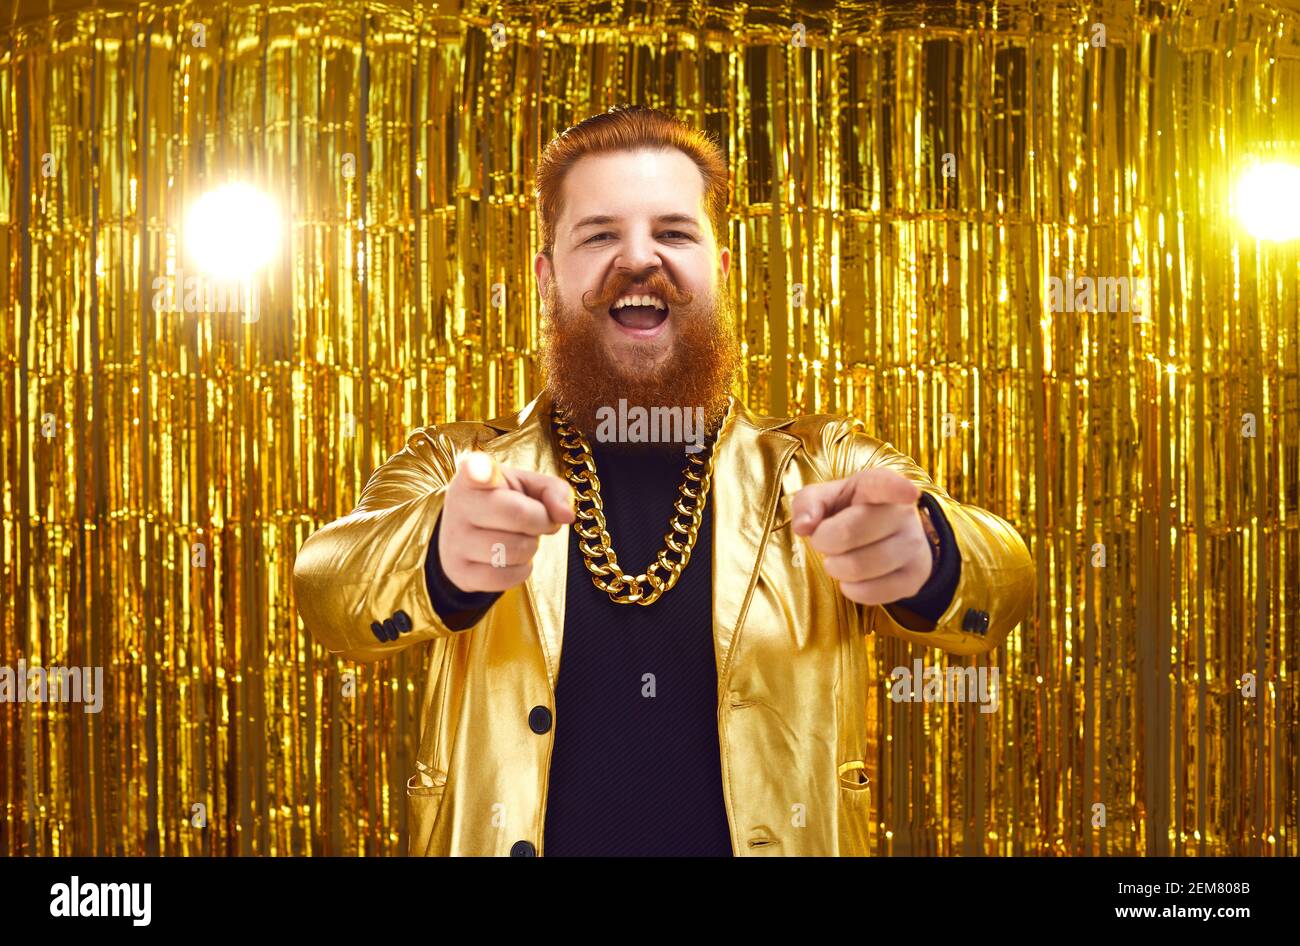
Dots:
{"x": 593, "y": 536}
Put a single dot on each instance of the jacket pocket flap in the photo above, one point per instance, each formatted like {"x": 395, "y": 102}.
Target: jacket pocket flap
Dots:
{"x": 853, "y": 776}
{"x": 426, "y": 781}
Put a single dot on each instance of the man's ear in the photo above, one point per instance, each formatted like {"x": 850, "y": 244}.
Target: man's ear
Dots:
{"x": 542, "y": 272}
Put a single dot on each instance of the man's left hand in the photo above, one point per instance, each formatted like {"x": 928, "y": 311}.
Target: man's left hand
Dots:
{"x": 867, "y": 528}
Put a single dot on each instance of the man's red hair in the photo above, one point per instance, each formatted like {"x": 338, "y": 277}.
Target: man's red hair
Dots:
{"x": 630, "y": 128}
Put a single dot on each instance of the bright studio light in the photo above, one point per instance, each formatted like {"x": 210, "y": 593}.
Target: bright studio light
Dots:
{"x": 1268, "y": 201}
{"x": 233, "y": 231}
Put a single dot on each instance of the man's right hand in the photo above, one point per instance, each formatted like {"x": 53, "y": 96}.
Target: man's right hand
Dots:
{"x": 492, "y": 517}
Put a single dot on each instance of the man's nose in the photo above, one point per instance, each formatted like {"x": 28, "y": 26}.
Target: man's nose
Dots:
{"x": 638, "y": 256}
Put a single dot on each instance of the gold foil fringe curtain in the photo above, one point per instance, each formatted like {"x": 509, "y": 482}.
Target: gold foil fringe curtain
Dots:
{"x": 908, "y": 178}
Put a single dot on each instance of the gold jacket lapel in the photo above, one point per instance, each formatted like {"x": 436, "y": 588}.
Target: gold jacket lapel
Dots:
{"x": 744, "y": 494}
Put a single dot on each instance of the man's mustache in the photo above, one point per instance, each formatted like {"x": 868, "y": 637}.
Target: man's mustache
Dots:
{"x": 657, "y": 285}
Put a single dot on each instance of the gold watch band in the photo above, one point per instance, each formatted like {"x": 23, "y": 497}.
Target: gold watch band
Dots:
{"x": 931, "y": 532}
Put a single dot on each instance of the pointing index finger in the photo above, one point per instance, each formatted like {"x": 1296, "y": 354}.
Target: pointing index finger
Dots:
{"x": 551, "y": 491}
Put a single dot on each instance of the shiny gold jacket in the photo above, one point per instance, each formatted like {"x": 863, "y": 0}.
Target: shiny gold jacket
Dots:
{"x": 790, "y": 648}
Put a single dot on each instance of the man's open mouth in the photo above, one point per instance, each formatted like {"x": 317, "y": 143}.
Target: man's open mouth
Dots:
{"x": 639, "y": 313}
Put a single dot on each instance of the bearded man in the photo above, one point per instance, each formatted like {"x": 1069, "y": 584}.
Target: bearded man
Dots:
{"x": 648, "y": 637}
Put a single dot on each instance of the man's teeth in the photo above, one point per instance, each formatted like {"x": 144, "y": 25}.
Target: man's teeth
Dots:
{"x": 640, "y": 300}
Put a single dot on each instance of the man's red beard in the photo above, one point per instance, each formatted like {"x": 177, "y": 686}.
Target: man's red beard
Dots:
{"x": 698, "y": 372}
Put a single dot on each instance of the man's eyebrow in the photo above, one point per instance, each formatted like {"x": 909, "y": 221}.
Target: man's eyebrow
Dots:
{"x": 601, "y": 219}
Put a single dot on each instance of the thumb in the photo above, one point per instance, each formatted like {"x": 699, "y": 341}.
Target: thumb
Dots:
{"x": 480, "y": 470}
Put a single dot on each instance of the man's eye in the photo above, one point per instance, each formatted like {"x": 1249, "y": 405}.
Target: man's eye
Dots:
{"x": 670, "y": 234}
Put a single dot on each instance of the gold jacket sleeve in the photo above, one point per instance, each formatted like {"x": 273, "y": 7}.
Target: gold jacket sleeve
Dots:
{"x": 997, "y": 572}
{"x": 369, "y": 565}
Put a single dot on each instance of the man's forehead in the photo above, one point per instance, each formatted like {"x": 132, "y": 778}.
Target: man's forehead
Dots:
{"x": 603, "y": 188}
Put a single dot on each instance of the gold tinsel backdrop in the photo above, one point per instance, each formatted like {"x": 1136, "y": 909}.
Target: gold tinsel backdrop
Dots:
{"x": 907, "y": 179}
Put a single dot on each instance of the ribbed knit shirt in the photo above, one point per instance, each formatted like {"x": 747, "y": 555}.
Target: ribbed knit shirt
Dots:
{"x": 635, "y": 767}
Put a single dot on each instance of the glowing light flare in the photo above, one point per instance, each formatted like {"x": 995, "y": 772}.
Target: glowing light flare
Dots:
{"x": 233, "y": 231}
{"x": 1268, "y": 201}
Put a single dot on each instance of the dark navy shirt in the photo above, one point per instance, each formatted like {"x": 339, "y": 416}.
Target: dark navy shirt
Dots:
{"x": 636, "y": 767}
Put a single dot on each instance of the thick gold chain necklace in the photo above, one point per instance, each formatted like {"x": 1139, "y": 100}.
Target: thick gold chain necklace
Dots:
{"x": 593, "y": 536}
